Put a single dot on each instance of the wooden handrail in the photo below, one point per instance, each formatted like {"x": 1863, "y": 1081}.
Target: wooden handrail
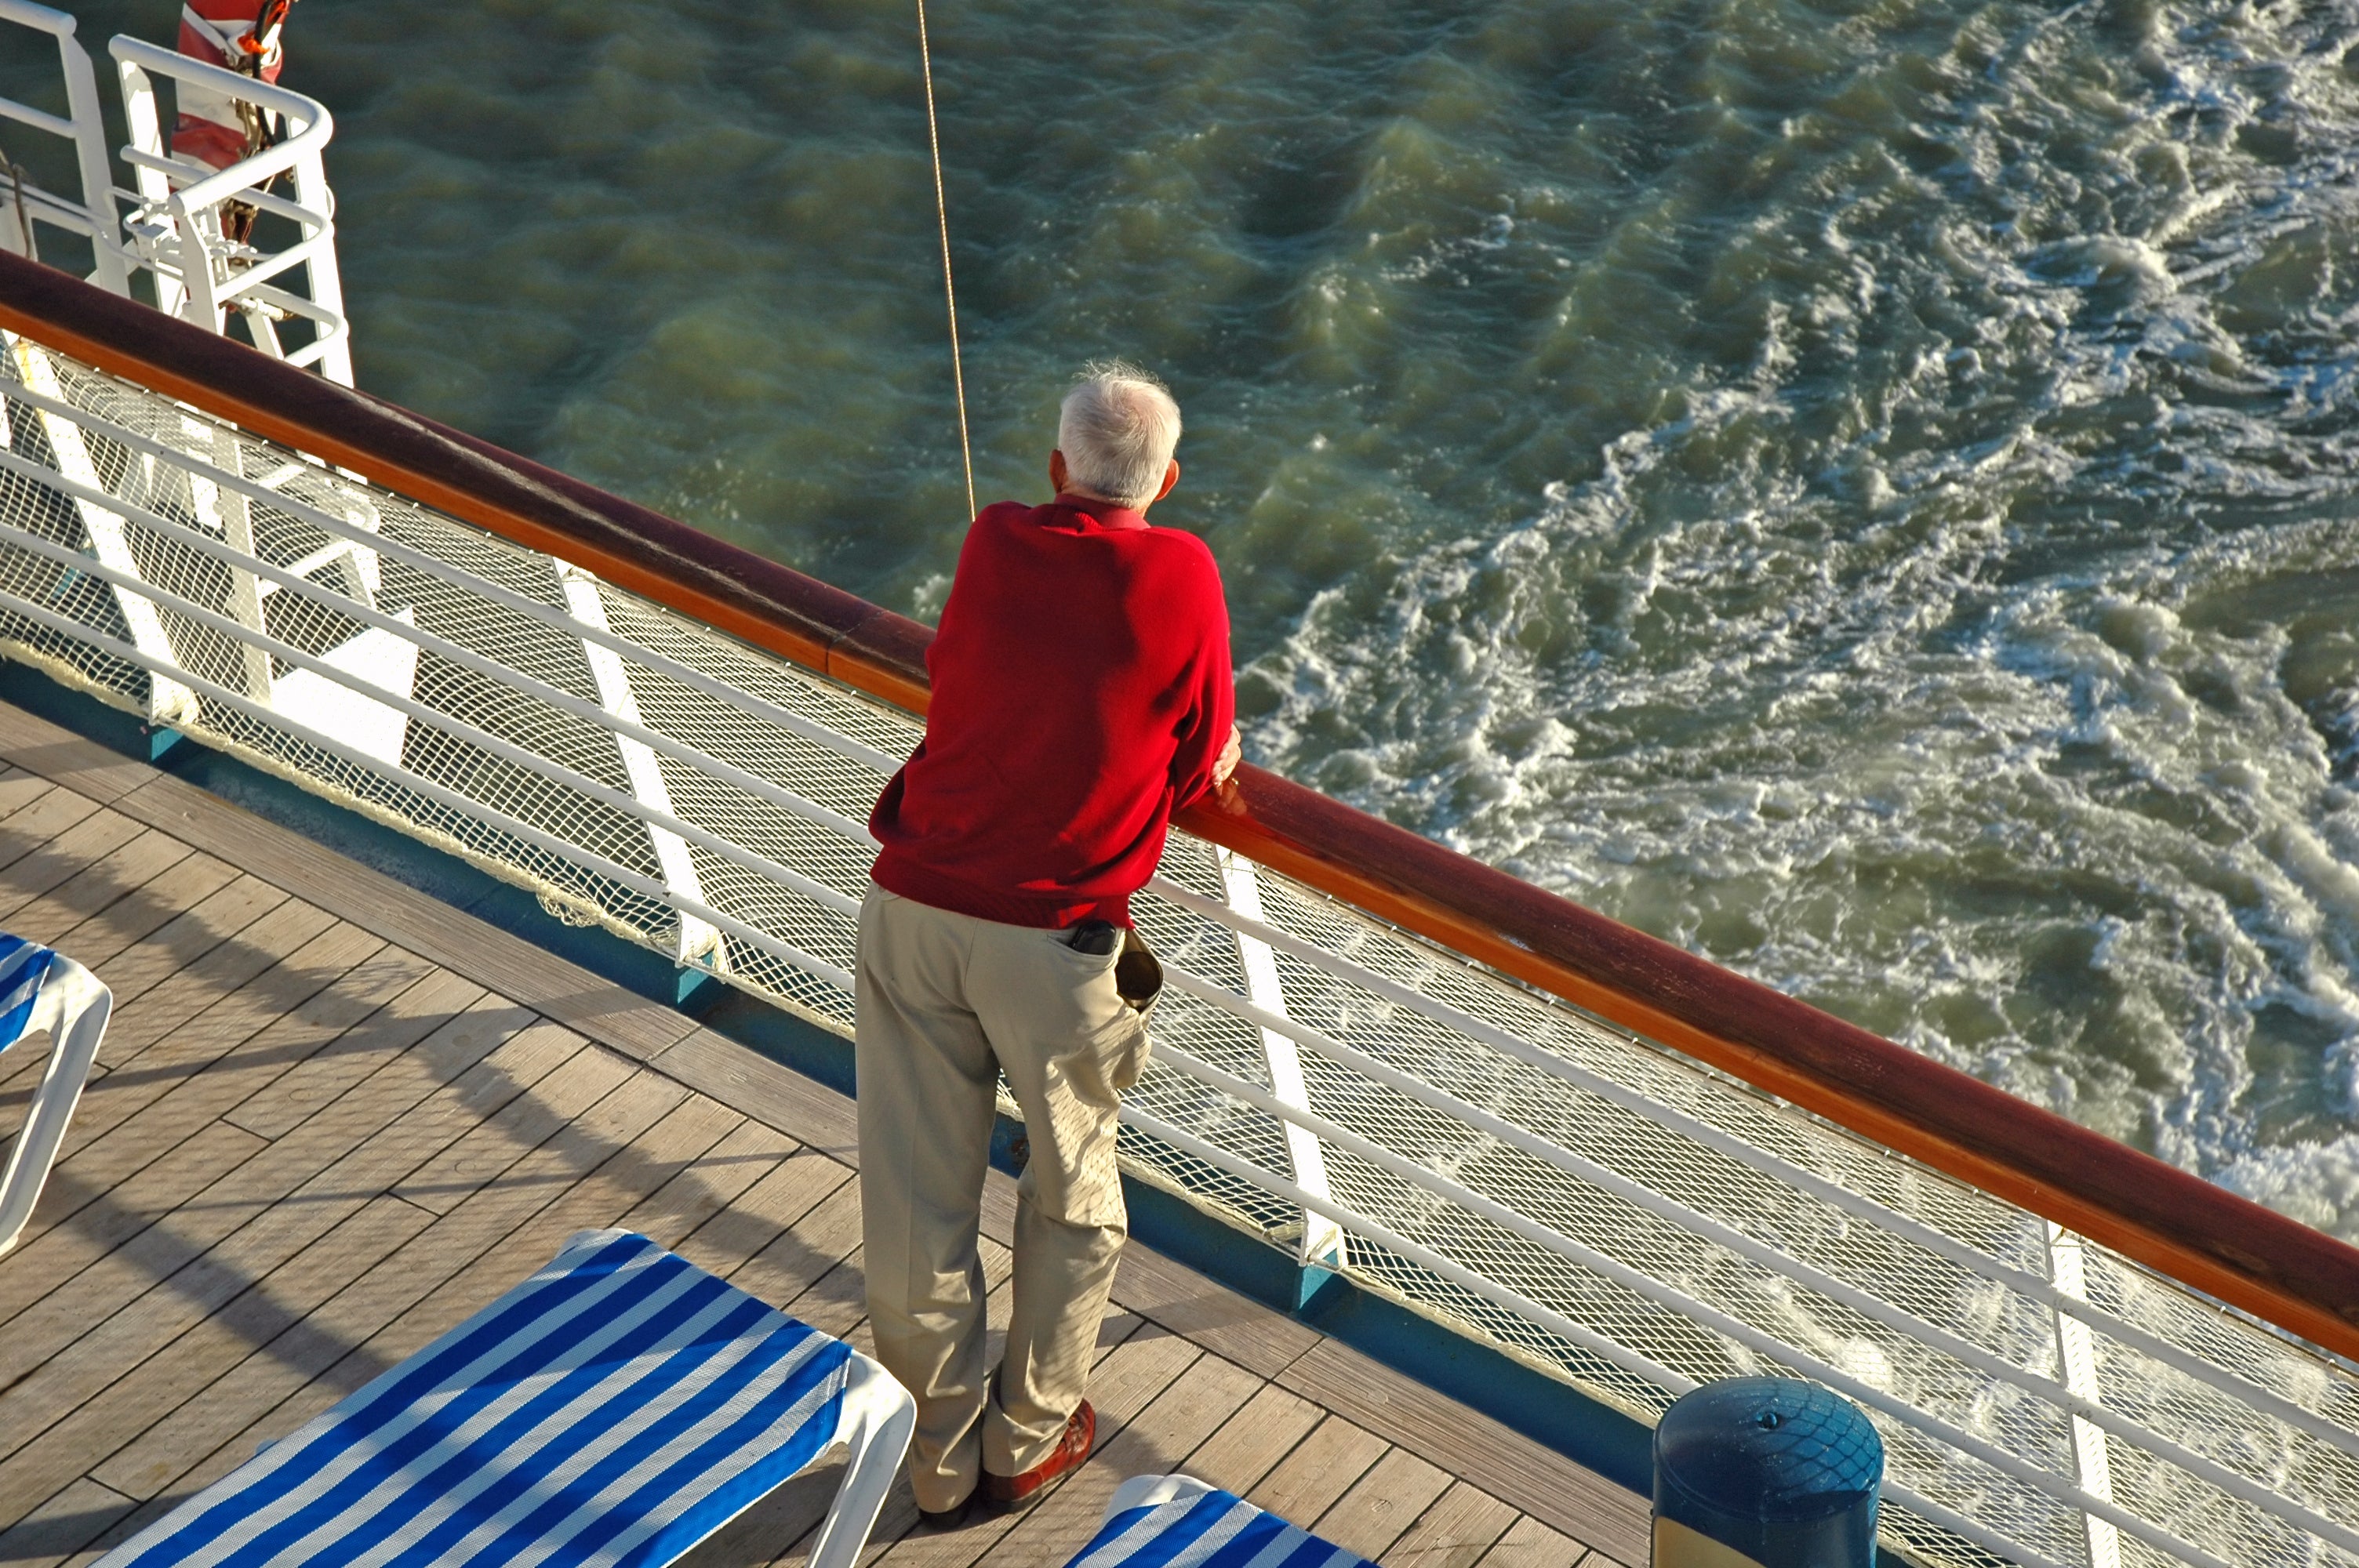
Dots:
{"x": 2254, "y": 1258}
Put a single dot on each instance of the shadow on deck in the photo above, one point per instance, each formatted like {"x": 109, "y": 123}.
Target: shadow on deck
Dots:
{"x": 333, "y": 1117}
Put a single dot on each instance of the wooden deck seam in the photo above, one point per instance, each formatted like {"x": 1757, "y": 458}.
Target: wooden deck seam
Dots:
{"x": 408, "y": 1277}
{"x": 715, "y": 1136}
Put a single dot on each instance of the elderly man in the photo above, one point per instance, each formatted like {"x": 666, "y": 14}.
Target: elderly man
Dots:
{"x": 1081, "y": 695}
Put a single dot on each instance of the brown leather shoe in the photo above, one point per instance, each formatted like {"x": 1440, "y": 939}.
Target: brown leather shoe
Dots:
{"x": 1010, "y": 1493}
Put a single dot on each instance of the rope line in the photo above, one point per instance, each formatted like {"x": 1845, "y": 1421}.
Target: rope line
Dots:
{"x": 949, "y": 289}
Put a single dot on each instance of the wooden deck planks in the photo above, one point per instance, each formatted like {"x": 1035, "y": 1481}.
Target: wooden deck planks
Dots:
{"x": 1320, "y": 1469}
{"x": 199, "y": 1260}
{"x": 710, "y": 1064}
{"x": 40, "y": 820}
{"x": 1528, "y": 1544}
{"x": 1125, "y": 1383}
{"x": 50, "y": 1281}
{"x": 400, "y": 914}
{"x": 49, "y": 1533}
{"x": 730, "y": 1240}
{"x": 183, "y": 942}
{"x": 497, "y": 1118}
{"x": 1255, "y": 1440}
{"x": 370, "y": 1295}
{"x": 198, "y": 1327}
{"x": 33, "y": 876}
{"x": 337, "y": 1349}
{"x": 60, "y": 756}
{"x": 248, "y": 1223}
{"x": 436, "y": 1002}
{"x": 96, "y": 940}
{"x": 1383, "y": 1503}
{"x": 142, "y": 1109}
{"x": 1457, "y": 1531}
{"x": 1536, "y": 1480}
{"x": 1211, "y": 1315}
{"x": 92, "y": 887}
{"x": 19, "y": 787}
{"x": 336, "y": 1117}
{"x": 101, "y": 910}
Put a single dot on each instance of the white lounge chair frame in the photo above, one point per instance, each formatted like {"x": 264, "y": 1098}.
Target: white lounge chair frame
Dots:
{"x": 879, "y": 1419}
{"x": 1154, "y": 1491}
{"x": 72, "y": 1008}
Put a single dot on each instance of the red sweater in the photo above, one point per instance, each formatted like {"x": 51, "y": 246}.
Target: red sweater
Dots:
{"x": 1082, "y": 693}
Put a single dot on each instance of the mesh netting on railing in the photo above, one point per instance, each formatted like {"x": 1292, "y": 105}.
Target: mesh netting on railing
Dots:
{"x": 1602, "y": 1209}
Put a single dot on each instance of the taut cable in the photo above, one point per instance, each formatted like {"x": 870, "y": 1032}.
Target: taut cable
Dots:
{"x": 950, "y": 290}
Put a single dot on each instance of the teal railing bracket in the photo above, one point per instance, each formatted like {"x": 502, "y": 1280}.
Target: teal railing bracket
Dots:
{"x": 693, "y": 986}
{"x": 1315, "y": 1287}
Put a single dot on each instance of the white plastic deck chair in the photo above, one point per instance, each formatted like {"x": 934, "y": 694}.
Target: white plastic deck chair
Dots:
{"x": 1178, "y": 1521}
{"x": 614, "y": 1409}
{"x": 43, "y": 991}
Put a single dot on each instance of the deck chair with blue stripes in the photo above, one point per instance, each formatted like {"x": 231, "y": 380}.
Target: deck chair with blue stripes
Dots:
{"x": 45, "y": 992}
{"x": 614, "y": 1411}
{"x": 1178, "y": 1521}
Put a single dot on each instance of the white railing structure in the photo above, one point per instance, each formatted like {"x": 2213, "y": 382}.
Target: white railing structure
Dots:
{"x": 168, "y": 226}
{"x": 92, "y": 218}
{"x": 1602, "y": 1209}
{"x": 176, "y": 231}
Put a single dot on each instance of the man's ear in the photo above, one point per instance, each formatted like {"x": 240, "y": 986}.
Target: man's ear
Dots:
{"x": 1057, "y": 472}
{"x": 1170, "y": 479}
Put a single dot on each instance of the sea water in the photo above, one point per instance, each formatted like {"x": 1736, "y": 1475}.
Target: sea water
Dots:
{"x": 1863, "y": 491}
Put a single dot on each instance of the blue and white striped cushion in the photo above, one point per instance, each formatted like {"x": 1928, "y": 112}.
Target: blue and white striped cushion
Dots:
{"x": 22, "y": 967}
{"x": 614, "y": 1410}
{"x": 1211, "y": 1529}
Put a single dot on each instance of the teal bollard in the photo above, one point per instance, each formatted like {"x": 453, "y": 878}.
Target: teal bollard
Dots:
{"x": 1765, "y": 1473}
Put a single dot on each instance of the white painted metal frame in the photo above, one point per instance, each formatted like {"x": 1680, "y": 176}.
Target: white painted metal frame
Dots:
{"x": 176, "y": 231}
{"x": 879, "y": 1418}
{"x": 1322, "y": 1244}
{"x": 174, "y": 228}
{"x": 94, "y": 217}
{"x": 2076, "y": 1358}
{"x": 72, "y": 1009}
{"x": 2067, "y": 1304}
{"x": 700, "y": 941}
{"x": 168, "y": 701}
{"x": 1260, "y": 1003}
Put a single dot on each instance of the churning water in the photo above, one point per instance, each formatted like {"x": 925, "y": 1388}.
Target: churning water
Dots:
{"x": 1863, "y": 489}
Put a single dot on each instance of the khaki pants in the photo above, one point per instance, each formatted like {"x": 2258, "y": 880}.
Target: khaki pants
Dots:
{"x": 946, "y": 1004}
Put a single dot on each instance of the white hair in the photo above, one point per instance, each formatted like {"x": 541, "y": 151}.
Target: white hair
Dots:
{"x": 1117, "y": 430}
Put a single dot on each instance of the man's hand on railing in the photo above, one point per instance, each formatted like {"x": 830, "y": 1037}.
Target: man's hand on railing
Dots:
{"x": 1232, "y": 754}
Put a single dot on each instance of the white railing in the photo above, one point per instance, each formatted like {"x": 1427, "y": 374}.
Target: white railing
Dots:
{"x": 177, "y": 231}
{"x": 92, "y": 218}
{"x": 170, "y": 225}
{"x": 1600, "y": 1209}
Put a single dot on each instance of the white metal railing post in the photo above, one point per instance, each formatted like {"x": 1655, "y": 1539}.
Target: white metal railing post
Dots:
{"x": 178, "y": 230}
{"x": 327, "y": 278}
{"x": 150, "y": 231}
{"x": 1322, "y": 1244}
{"x": 700, "y": 942}
{"x": 168, "y": 701}
{"x": 2077, "y": 1358}
{"x": 95, "y": 216}
{"x": 230, "y": 513}
{"x": 108, "y": 269}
